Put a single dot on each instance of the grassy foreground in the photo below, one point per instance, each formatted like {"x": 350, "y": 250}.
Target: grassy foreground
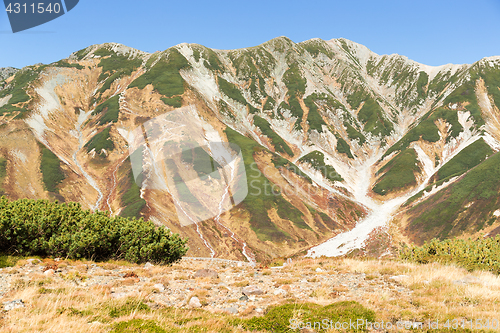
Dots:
{"x": 316, "y": 289}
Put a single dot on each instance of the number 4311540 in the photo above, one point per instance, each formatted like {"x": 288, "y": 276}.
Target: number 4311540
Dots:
{"x": 23, "y": 8}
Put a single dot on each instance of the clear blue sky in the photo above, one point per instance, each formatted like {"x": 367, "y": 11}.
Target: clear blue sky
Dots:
{"x": 431, "y": 32}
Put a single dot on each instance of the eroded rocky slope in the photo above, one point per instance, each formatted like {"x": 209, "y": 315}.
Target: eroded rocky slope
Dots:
{"x": 329, "y": 133}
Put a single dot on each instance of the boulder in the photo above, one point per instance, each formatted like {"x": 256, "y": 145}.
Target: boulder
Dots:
{"x": 194, "y": 302}
{"x": 201, "y": 273}
{"x": 252, "y": 290}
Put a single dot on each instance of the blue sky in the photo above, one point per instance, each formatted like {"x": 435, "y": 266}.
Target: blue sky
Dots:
{"x": 431, "y": 32}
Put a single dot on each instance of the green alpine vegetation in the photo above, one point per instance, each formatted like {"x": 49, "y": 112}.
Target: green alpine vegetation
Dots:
{"x": 478, "y": 254}
{"x": 444, "y": 215}
{"x": 131, "y": 193}
{"x": 3, "y": 173}
{"x": 39, "y": 227}
{"x": 465, "y": 160}
{"x": 100, "y": 141}
{"x": 262, "y": 194}
{"x": 111, "y": 110}
{"x": 372, "y": 117}
{"x": 279, "y": 144}
{"x": 343, "y": 147}
{"x": 280, "y": 162}
{"x": 50, "y": 166}
{"x": 427, "y": 129}
{"x": 164, "y": 75}
{"x": 314, "y": 118}
{"x": 317, "y": 160}
{"x": 231, "y": 91}
{"x": 353, "y": 134}
{"x": 398, "y": 173}
{"x": 17, "y": 88}
{"x": 280, "y": 318}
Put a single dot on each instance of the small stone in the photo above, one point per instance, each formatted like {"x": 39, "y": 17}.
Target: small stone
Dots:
{"x": 160, "y": 287}
{"x": 319, "y": 270}
{"x": 244, "y": 298}
{"x": 49, "y": 272}
{"x": 280, "y": 291}
{"x": 259, "y": 310}
{"x": 252, "y": 290}
{"x": 232, "y": 310}
{"x": 201, "y": 273}
{"x": 194, "y": 302}
{"x": 15, "y": 304}
{"x": 118, "y": 295}
{"x": 148, "y": 265}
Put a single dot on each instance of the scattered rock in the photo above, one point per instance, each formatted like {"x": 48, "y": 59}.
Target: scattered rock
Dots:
{"x": 259, "y": 310}
{"x": 49, "y": 272}
{"x": 201, "y": 273}
{"x": 319, "y": 270}
{"x": 398, "y": 277}
{"x": 15, "y": 304}
{"x": 194, "y": 302}
{"x": 280, "y": 291}
{"x": 130, "y": 275}
{"x": 244, "y": 298}
{"x": 50, "y": 267}
{"x": 252, "y": 290}
{"x": 232, "y": 310}
{"x": 160, "y": 287}
{"x": 119, "y": 295}
{"x": 148, "y": 265}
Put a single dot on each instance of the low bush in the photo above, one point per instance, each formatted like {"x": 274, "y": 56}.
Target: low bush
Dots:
{"x": 480, "y": 254}
{"x": 40, "y": 227}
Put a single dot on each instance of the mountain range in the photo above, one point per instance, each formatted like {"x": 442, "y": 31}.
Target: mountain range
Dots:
{"x": 335, "y": 142}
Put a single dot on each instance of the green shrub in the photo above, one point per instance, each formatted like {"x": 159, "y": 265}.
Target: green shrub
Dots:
{"x": 138, "y": 326}
{"x": 353, "y": 134}
{"x": 294, "y": 81}
{"x": 465, "y": 160}
{"x": 372, "y": 117}
{"x": 111, "y": 109}
{"x": 164, "y": 75}
{"x": 280, "y": 162}
{"x": 100, "y": 141}
{"x": 63, "y": 63}
{"x": 131, "y": 199}
{"x": 279, "y": 144}
{"x": 317, "y": 160}
{"x": 314, "y": 119}
{"x": 398, "y": 173}
{"x": 3, "y": 173}
{"x": 343, "y": 147}
{"x": 52, "y": 174}
{"x": 281, "y": 318}
{"x": 443, "y": 214}
{"x": 231, "y": 91}
{"x": 261, "y": 193}
{"x": 176, "y": 101}
{"x": 479, "y": 254}
{"x": 40, "y": 227}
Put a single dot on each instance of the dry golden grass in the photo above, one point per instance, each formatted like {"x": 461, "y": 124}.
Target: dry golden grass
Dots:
{"x": 394, "y": 290}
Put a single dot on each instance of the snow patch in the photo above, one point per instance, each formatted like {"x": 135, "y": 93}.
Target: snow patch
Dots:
{"x": 426, "y": 161}
{"x": 4, "y": 100}
{"x": 491, "y": 141}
